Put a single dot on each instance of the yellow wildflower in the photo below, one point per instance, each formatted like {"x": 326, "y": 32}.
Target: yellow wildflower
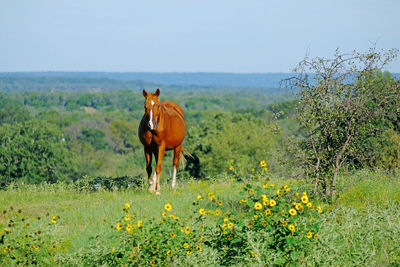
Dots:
{"x": 267, "y": 212}
{"x": 284, "y": 223}
{"x": 309, "y": 205}
{"x": 140, "y": 223}
{"x": 168, "y": 207}
{"x": 119, "y": 226}
{"x": 292, "y": 212}
{"x": 202, "y": 211}
{"x": 173, "y": 235}
{"x": 258, "y": 206}
{"x": 231, "y": 168}
{"x": 304, "y": 199}
{"x": 220, "y": 203}
{"x": 217, "y": 212}
{"x": 129, "y": 228}
{"x": 309, "y": 234}
{"x": 54, "y": 219}
{"x": 200, "y": 197}
{"x": 230, "y": 225}
{"x": 286, "y": 188}
{"x": 291, "y": 227}
{"x": 127, "y": 206}
{"x": 186, "y": 245}
{"x": 263, "y": 163}
{"x": 127, "y": 218}
{"x": 272, "y": 203}
{"x": 164, "y": 214}
{"x": 187, "y": 230}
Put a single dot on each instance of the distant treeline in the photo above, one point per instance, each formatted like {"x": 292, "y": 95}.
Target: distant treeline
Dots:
{"x": 18, "y": 83}
{"x": 199, "y": 79}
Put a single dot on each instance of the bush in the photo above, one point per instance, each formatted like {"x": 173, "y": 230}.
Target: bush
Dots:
{"x": 268, "y": 225}
{"x": 87, "y": 183}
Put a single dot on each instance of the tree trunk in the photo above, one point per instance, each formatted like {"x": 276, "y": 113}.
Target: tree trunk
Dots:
{"x": 316, "y": 177}
{"x": 338, "y": 163}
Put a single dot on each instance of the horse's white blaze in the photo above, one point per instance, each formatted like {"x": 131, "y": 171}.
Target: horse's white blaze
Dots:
{"x": 151, "y": 116}
{"x": 174, "y": 178}
{"x": 151, "y": 120}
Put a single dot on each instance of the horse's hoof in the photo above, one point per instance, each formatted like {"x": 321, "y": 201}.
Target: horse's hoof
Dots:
{"x": 151, "y": 189}
{"x": 158, "y": 193}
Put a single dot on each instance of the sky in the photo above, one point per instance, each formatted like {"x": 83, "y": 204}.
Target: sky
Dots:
{"x": 241, "y": 36}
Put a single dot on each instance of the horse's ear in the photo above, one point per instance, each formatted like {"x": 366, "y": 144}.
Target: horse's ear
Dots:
{"x": 144, "y": 93}
{"x": 157, "y": 92}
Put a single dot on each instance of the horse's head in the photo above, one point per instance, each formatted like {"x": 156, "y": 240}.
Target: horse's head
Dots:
{"x": 152, "y": 108}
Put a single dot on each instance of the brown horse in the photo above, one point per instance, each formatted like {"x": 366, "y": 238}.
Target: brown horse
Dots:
{"x": 161, "y": 128}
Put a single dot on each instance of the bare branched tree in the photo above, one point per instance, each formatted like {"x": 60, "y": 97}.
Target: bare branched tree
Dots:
{"x": 338, "y": 100}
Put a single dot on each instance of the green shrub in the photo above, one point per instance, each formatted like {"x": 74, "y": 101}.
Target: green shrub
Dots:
{"x": 265, "y": 224}
{"x": 87, "y": 183}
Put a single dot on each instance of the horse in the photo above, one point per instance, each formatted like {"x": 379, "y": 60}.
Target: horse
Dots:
{"x": 161, "y": 128}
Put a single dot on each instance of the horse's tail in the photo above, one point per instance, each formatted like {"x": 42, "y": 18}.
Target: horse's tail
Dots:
{"x": 184, "y": 153}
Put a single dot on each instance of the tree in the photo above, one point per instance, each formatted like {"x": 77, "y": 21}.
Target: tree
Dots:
{"x": 13, "y": 113}
{"x": 229, "y": 138}
{"x": 33, "y": 152}
{"x": 339, "y": 104}
{"x": 95, "y": 137}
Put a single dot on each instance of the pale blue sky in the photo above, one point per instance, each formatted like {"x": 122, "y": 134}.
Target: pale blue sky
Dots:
{"x": 189, "y": 35}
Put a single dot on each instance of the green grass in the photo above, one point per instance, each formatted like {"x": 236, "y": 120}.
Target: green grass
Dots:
{"x": 361, "y": 228}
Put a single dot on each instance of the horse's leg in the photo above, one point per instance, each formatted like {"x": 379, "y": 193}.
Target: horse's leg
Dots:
{"x": 177, "y": 153}
{"x": 148, "y": 155}
{"x": 159, "y": 159}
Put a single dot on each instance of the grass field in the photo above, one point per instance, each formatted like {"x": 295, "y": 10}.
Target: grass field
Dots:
{"x": 362, "y": 228}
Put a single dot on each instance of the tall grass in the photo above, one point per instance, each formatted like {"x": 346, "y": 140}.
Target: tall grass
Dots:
{"x": 361, "y": 228}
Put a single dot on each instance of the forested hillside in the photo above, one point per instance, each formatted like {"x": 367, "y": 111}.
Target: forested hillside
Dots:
{"x": 91, "y": 124}
{"x": 87, "y": 126}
